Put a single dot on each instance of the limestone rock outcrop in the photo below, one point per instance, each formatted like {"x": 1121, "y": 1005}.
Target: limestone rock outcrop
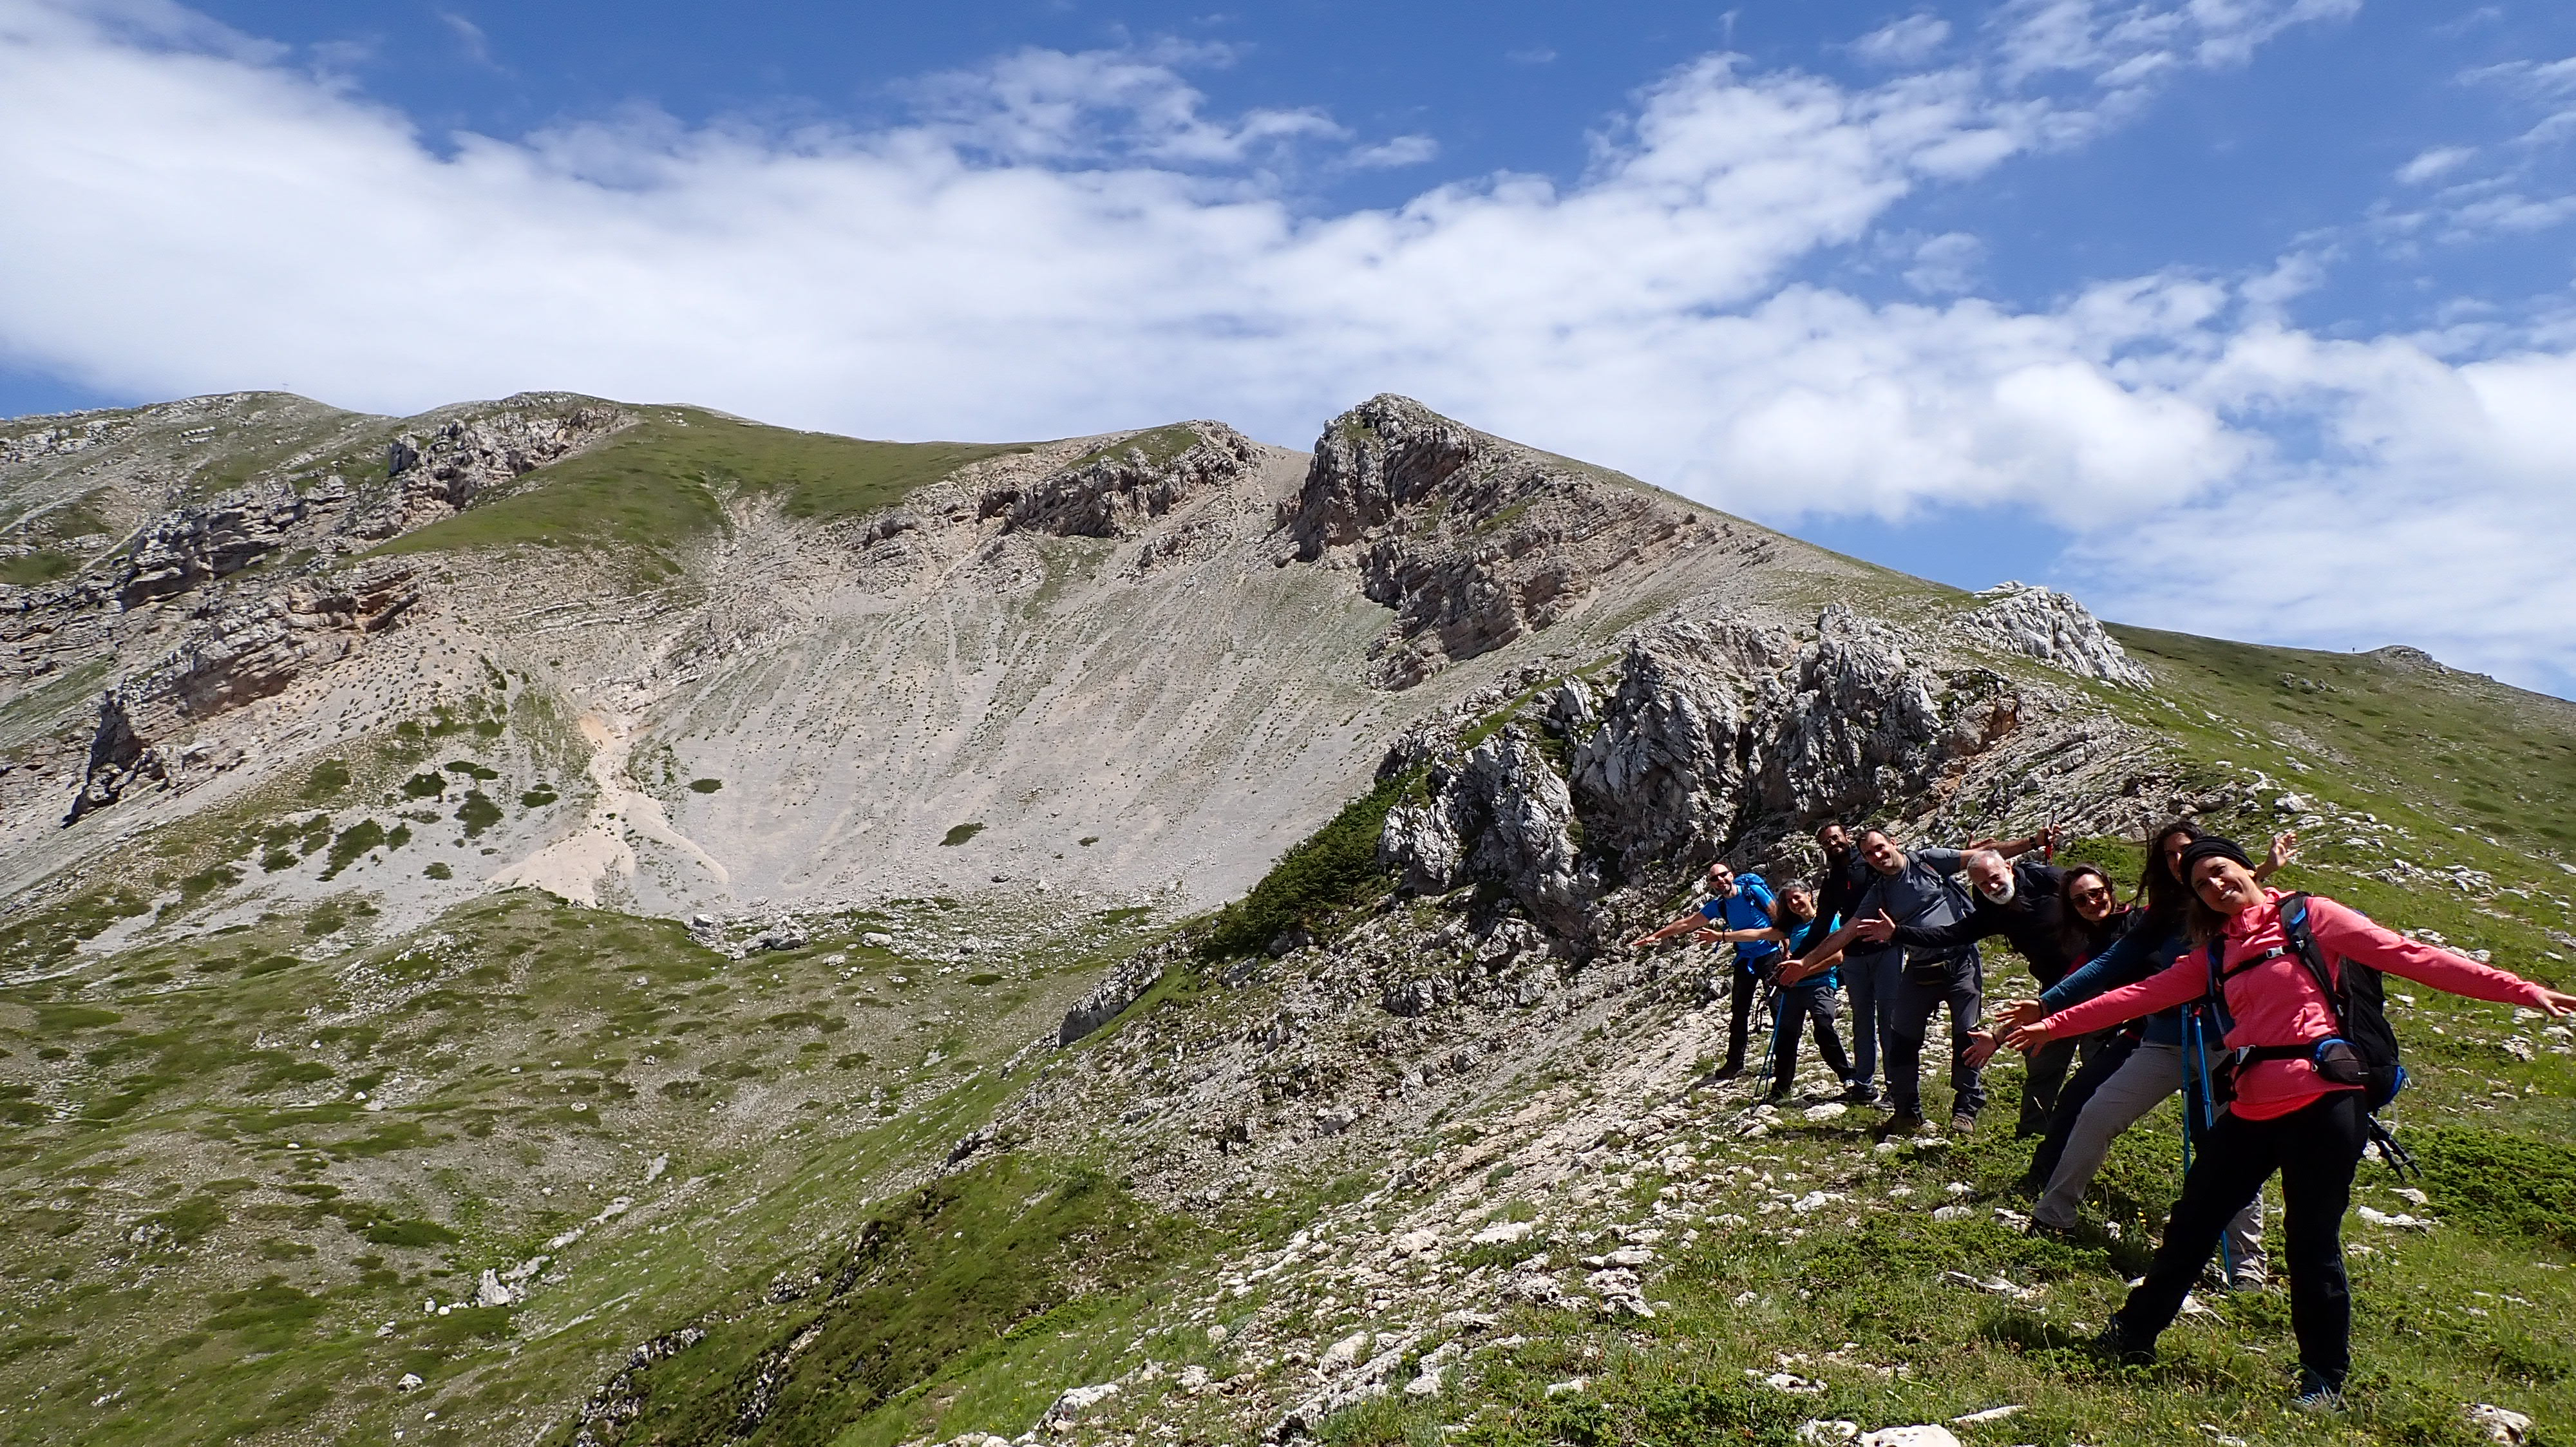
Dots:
{"x": 1114, "y": 491}
{"x": 1714, "y": 738}
{"x": 2045, "y": 624}
{"x": 191, "y": 546}
{"x": 1473, "y": 541}
{"x": 441, "y": 471}
{"x": 242, "y": 650}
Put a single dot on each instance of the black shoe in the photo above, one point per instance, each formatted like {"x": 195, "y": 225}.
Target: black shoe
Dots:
{"x": 2114, "y": 1347}
{"x": 1728, "y": 1071}
{"x": 2046, "y": 1232}
{"x": 1779, "y": 1095}
{"x": 2317, "y": 1394}
{"x": 1901, "y": 1123}
{"x": 2030, "y": 1188}
{"x": 1859, "y": 1092}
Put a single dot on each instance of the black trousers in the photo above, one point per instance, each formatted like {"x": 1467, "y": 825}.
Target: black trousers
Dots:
{"x": 2040, "y": 1082}
{"x": 1958, "y": 984}
{"x": 2316, "y": 1148}
{"x": 1791, "y": 1009}
{"x": 2069, "y": 1108}
{"x": 1739, "y": 1014}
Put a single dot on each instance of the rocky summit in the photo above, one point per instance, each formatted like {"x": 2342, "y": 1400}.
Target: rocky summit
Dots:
{"x": 566, "y": 921}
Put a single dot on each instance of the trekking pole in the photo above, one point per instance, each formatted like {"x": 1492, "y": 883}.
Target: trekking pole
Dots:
{"x": 1769, "y": 1007}
{"x": 2194, "y": 1044}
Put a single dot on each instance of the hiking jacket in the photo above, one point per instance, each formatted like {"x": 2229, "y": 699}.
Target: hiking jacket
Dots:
{"x": 2144, "y": 948}
{"x": 2032, "y": 921}
{"x": 2277, "y": 1002}
{"x": 1838, "y": 889}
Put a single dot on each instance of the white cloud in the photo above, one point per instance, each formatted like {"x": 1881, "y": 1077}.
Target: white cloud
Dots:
{"x": 1532, "y": 55}
{"x": 2434, "y": 164}
{"x": 1402, "y": 151}
{"x": 1058, "y": 243}
{"x": 1946, "y": 265}
{"x": 1909, "y": 41}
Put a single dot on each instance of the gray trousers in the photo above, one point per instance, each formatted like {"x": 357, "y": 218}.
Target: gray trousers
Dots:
{"x": 2143, "y": 1081}
{"x": 1961, "y": 987}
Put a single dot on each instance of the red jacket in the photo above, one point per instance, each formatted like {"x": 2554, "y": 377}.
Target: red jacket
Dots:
{"x": 2278, "y": 1002}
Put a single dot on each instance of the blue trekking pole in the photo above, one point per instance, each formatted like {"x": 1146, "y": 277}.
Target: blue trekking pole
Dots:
{"x": 2198, "y": 1066}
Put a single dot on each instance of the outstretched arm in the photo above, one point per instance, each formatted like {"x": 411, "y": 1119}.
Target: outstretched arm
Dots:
{"x": 1690, "y": 918}
{"x": 1743, "y": 936}
{"x": 2181, "y": 982}
{"x": 2348, "y": 932}
{"x": 2042, "y": 839}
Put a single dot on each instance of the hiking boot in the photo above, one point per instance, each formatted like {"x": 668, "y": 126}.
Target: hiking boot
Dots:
{"x": 1728, "y": 1071}
{"x": 1778, "y": 1096}
{"x": 2029, "y": 1188}
{"x": 2316, "y": 1394}
{"x": 1859, "y": 1092}
{"x": 2114, "y": 1347}
{"x": 1963, "y": 1123}
{"x": 2046, "y": 1232}
{"x": 1901, "y": 1123}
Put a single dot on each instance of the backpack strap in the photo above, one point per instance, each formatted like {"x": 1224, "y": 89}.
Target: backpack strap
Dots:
{"x": 2303, "y": 943}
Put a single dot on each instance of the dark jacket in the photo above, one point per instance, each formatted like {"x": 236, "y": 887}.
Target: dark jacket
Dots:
{"x": 1838, "y": 890}
{"x": 2033, "y": 921}
{"x": 2145, "y": 947}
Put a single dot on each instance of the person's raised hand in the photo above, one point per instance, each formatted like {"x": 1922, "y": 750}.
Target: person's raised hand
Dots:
{"x": 1878, "y": 929}
{"x": 1651, "y": 937}
{"x": 2016, "y": 1013}
{"x": 1985, "y": 1044}
{"x": 2557, "y": 1002}
{"x": 1795, "y": 971}
{"x": 2285, "y": 847}
{"x": 1708, "y": 936}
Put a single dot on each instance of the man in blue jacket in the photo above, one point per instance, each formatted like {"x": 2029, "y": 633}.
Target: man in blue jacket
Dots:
{"x": 1735, "y": 901}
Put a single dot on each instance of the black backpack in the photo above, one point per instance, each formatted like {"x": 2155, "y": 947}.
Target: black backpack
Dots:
{"x": 2362, "y": 1051}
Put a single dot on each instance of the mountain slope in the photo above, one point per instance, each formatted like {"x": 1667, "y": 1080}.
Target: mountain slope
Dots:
{"x": 659, "y": 928}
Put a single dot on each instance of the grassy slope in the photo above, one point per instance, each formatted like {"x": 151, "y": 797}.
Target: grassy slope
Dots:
{"x": 665, "y": 480}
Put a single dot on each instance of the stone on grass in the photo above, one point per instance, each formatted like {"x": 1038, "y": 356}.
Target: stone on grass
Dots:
{"x": 1927, "y": 1435}
{"x": 2501, "y": 1424}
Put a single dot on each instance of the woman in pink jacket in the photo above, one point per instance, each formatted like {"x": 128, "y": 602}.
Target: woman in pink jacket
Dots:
{"x": 2286, "y": 1116}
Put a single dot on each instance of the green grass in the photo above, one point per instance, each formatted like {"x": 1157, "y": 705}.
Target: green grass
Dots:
{"x": 1331, "y": 870}
{"x": 1159, "y": 446}
{"x": 31, "y": 570}
{"x": 959, "y": 834}
{"x": 665, "y": 480}
{"x": 2475, "y": 753}
{"x": 939, "y": 1288}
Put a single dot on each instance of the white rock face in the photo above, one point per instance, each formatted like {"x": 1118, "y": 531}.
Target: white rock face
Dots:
{"x": 2045, "y": 624}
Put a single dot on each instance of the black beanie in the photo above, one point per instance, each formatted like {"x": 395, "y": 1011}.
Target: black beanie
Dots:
{"x": 2210, "y": 846}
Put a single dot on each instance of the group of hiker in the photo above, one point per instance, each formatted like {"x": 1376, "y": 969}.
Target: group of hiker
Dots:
{"x": 2263, "y": 1010}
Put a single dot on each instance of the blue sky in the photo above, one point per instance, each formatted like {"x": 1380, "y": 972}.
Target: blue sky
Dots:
{"x": 2118, "y": 297}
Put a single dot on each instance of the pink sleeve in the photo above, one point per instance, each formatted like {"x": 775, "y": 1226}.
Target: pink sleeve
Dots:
{"x": 2355, "y": 936}
{"x": 2183, "y": 981}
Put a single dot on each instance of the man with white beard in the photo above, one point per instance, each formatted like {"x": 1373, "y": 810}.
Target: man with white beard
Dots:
{"x": 2021, "y": 900}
